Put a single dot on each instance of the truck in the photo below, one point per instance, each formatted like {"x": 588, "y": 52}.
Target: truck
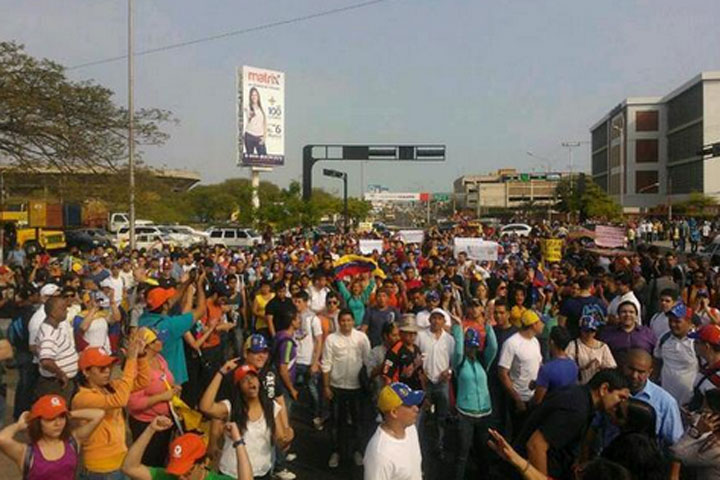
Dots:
{"x": 33, "y": 225}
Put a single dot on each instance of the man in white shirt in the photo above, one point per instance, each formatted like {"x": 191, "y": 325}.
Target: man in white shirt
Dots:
{"x": 48, "y": 290}
{"x": 659, "y": 322}
{"x": 309, "y": 347}
{"x": 519, "y": 363}
{"x": 116, "y": 283}
{"x": 436, "y": 346}
{"x": 344, "y": 353}
{"x": 393, "y": 452}
{"x": 56, "y": 352}
{"x": 318, "y": 291}
{"x": 676, "y": 352}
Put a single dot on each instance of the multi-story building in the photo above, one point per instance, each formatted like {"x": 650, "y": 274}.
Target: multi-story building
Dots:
{"x": 645, "y": 151}
{"x": 505, "y": 189}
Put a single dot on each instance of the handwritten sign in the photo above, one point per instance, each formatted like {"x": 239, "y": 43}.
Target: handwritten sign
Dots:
{"x": 411, "y": 236}
{"x": 367, "y": 246}
{"x": 476, "y": 248}
{"x": 609, "y": 237}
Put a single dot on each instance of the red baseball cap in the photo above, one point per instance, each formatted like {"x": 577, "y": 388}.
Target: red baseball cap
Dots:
{"x": 48, "y": 407}
{"x": 709, "y": 334}
{"x": 184, "y": 452}
{"x": 157, "y": 296}
{"x": 242, "y": 371}
{"x": 94, "y": 357}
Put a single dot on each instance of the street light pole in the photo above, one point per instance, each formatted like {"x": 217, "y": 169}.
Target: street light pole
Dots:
{"x": 329, "y": 172}
{"x": 131, "y": 126}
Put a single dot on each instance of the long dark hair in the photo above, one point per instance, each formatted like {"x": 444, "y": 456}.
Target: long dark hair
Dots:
{"x": 259, "y": 102}
{"x": 241, "y": 410}
{"x": 35, "y": 430}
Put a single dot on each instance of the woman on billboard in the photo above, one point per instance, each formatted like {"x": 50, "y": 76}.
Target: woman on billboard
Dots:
{"x": 256, "y": 128}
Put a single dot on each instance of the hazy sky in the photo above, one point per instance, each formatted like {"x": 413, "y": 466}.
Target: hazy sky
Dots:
{"x": 490, "y": 79}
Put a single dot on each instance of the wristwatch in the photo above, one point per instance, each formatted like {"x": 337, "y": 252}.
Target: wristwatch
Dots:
{"x": 237, "y": 443}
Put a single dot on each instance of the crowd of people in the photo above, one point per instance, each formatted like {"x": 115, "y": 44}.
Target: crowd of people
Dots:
{"x": 417, "y": 361}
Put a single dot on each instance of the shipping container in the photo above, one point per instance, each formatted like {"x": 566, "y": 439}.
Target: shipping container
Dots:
{"x": 53, "y": 215}
{"x": 72, "y": 215}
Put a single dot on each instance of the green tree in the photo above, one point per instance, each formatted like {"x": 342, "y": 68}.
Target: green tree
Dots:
{"x": 49, "y": 121}
{"x": 583, "y": 197}
{"x": 696, "y": 204}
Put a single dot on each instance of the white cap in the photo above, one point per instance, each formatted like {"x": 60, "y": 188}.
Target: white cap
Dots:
{"x": 445, "y": 314}
{"x": 49, "y": 289}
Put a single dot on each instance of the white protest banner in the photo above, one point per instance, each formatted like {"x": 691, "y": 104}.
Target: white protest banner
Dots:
{"x": 368, "y": 245}
{"x": 411, "y": 236}
{"x": 609, "y": 237}
{"x": 476, "y": 248}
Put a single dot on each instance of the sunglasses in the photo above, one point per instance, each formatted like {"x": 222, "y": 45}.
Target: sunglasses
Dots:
{"x": 333, "y": 302}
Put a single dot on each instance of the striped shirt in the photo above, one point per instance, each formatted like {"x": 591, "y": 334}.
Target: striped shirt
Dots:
{"x": 57, "y": 344}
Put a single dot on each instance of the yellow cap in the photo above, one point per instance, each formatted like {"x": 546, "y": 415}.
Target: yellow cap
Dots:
{"x": 148, "y": 335}
{"x": 529, "y": 317}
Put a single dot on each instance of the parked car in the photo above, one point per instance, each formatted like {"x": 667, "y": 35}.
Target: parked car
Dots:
{"x": 519, "y": 229}
{"x": 148, "y": 234}
{"x": 327, "y": 229}
{"x": 233, "y": 237}
{"x": 119, "y": 220}
{"x": 183, "y": 236}
{"x": 85, "y": 239}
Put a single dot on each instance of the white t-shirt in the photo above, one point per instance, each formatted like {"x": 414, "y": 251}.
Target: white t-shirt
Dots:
{"x": 317, "y": 298}
{"x": 36, "y": 320}
{"x": 388, "y": 458}
{"x": 522, "y": 358}
{"x": 258, "y": 443}
{"x": 309, "y": 329}
{"x": 97, "y": 335}
{"x": 680, "y": 367}
{"x": 256, "y": 122}
{"x": 659, "y": 324}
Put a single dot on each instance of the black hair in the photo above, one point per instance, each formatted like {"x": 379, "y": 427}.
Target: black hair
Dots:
{"x": 241, "y": 410}
{"x": 669, "y": 292}
{"x": 387, "y": 328}
{"x": 500, "y": 302}
{"x": 638, "y": 453}
{"x": 640, "y": 417}
{"x": 560, "y": 337}
{"x": 624, "y": 278}
{"x": 302, "y": 295}
{"x": 612, "y": 376}
{"x": 346, "y": 311}
{"x": 602, "y": 469}
{"x": 279, "y": 286}
{"x": 585, "y": 282}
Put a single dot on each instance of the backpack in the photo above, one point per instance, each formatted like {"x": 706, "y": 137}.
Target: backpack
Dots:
{"x": 666, "y": 336}
{"x": 18, "y": 333}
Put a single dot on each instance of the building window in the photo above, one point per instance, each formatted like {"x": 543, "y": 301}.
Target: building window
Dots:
{"x": 686, "y": 107}
{"x": 687, "y": 178}
{"x": 599, "y": 162}
{"x": 646, "y": 121}
{"x": 646, "y": 181}
{"x": 615, "y": 156}
{"x": 684, "y": 144}
{"x": 646, "y": 151}
{"x": 599, "y": 137}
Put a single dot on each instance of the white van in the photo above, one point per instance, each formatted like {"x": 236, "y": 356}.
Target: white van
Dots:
{"x": 119, "y": 220}
{"x": 233, "y": 237}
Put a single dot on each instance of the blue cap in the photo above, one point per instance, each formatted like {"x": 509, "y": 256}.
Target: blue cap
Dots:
{"x": 590, "y": 323}
{"x": 472, "y": 338}
{"x": 256, "y": 343}
{"x": 396, "y": 394}
{"x": 432, "y": 295}
{"x": 678, "y": 310}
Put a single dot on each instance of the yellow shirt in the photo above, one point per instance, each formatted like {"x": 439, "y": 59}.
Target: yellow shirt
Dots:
{"x": 259, "y": 310}
{"x": 105, "y": 449}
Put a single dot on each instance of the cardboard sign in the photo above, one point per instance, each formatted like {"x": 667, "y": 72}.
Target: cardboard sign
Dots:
{"x": 367, "y": 246}
{"x": 411, "y": 236}
{"x": 476, "y": 248}
{"x": 609, "y": 237}
{"x": 551, "y": 250}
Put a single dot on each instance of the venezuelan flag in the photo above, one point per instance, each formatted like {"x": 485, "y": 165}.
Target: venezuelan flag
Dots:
{"x": 355, "y": 264}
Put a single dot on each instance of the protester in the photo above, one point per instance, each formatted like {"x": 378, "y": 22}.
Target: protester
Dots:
{"x": 188, "y": 458}
{"x": 675, "y": 353}
{"x": 627, "y": 333}
{"x": 55, "y": 434}
{"x": 105, "y": 449}
{"x": 590, "y": 354}
{"x": 558, "y": 373}
{"x": 393, "y": 452}
{"x": 344, "y": 354}
{"x": 309, "y": 348}
{"x": 56, "y": 352}
{"x": 554, "y": 430}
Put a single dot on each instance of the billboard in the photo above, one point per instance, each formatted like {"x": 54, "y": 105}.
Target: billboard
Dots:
{"x": 260, "y": 117}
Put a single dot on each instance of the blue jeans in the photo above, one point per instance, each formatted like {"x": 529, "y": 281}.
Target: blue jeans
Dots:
{"x": 114, "y": 475}
{"x": 303, "y": 377}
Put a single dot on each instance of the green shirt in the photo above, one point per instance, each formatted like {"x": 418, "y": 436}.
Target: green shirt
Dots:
{"x": 161, "y": 474}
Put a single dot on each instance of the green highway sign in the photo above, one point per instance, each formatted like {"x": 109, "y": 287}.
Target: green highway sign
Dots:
{"x": 441, "y": 197}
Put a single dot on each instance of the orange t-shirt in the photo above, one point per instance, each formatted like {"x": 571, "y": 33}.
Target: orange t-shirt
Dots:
{"x": 214, "y": 313}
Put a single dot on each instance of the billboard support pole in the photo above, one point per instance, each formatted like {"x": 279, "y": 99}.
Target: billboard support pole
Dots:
{"x": 255, "y": 182}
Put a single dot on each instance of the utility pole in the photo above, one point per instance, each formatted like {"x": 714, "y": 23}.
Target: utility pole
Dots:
{"x": 131, "y": 126}
{"x": 570, "y": 146}
{"x": 329, "y": 172}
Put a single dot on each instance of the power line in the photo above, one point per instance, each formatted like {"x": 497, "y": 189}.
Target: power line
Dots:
{"x": 243, "y": 31}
